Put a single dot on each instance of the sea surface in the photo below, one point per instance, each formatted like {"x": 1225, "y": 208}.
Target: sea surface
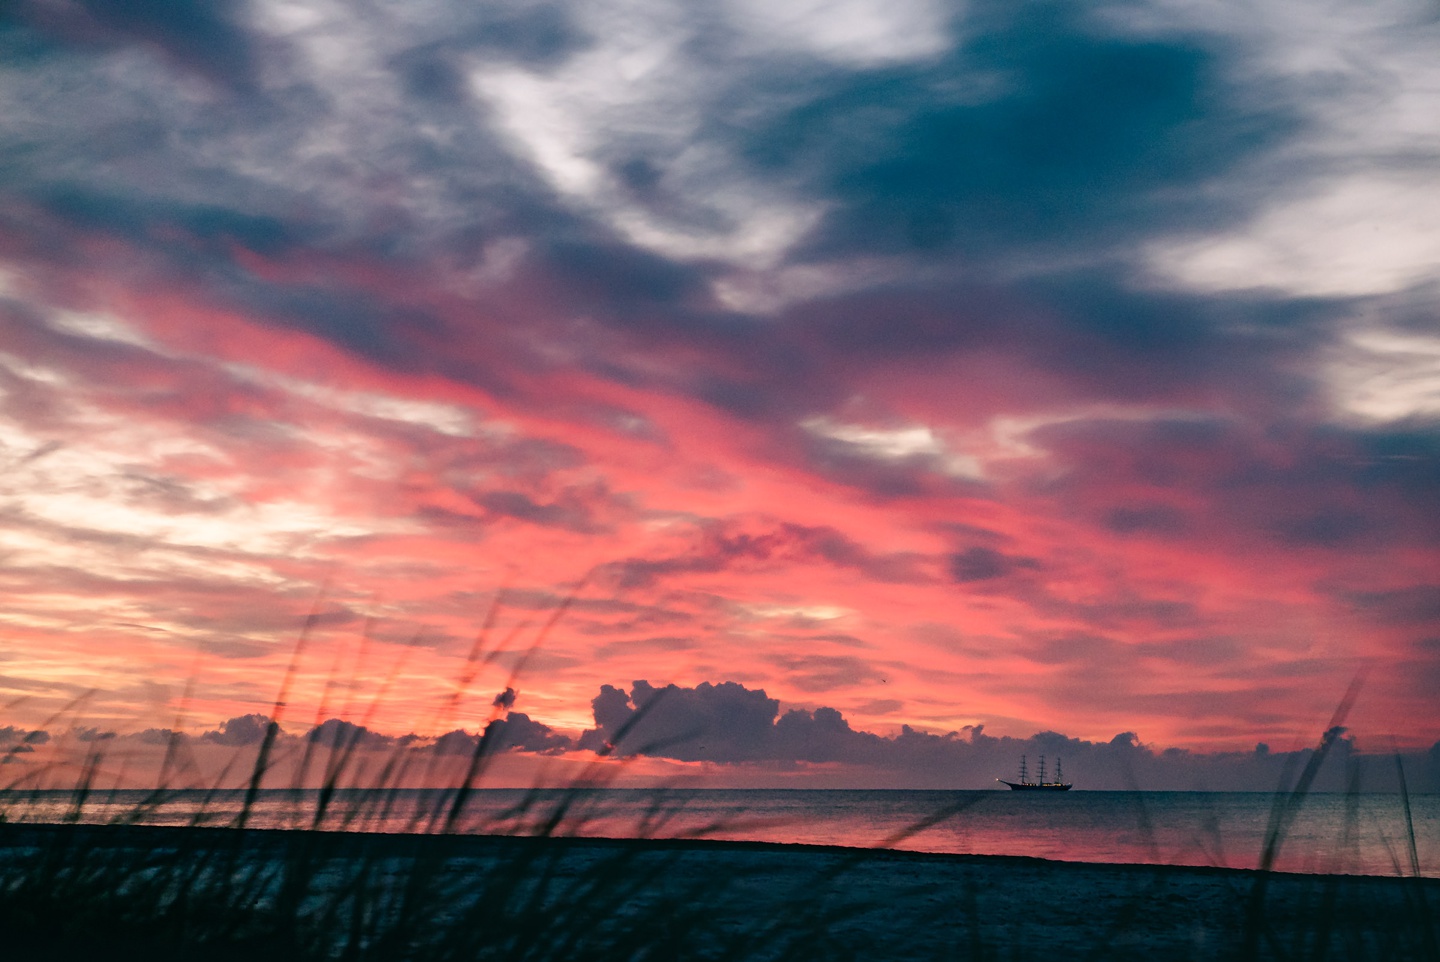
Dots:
{"x": 1366, "y": 834}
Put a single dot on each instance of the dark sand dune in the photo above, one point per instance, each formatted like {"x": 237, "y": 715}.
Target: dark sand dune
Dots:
{"x": 685, "y": 899}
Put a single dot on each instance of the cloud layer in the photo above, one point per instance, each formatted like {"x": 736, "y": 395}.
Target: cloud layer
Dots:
{"x": 709, "y": 735}
{"x": 1019, "y": 365}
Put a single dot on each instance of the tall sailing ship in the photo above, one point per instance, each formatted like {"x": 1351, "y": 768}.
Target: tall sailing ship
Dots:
{"x": 1025, "y": 785}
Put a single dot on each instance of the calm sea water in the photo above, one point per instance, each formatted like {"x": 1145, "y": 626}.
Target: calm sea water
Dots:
{"x": 1355, "y": 834}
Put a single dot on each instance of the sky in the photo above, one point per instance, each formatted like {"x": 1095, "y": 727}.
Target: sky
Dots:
{"x": 909, "y": 369}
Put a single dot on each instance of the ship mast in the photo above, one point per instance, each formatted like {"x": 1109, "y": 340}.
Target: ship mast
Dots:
{"x": 1059, "y": 772}
{"x": 1042, "y": 769}
{"x": 1023, "y": 775}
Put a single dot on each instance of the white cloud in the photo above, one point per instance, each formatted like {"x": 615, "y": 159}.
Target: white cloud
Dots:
{"x": 895, "y": 444}
{"x": 450, "y": 419}
{"x": 860, "y": 33}
{"x": 638, "y": 94}
{"x": 107, "y": 479}
{"x": 1364, "y": 234}
{"x": 97, "y": 485}
{"x": 1350, "y": 205}
{"x": 9, "y": 281}
{"x": 32, "y": 370}
{"x": 101, "y": 327}
{"x": 766, "y": 292}
{"x": 547, "y": 123}
{"x": 1010, "y": 433}
{"x": 812, "y": 612}
{"x": 1380, "y": 375}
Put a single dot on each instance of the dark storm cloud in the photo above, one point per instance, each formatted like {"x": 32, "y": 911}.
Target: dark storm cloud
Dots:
{"x": 631, "y": 286}
{"x": 537, "y": 35}
{"x": 239, "y": 731}
{"x": 394, "y": 336}
{"x": 146, "y": 192}
{"x": 457, "y": 742}
{"x": 731, "y": 723}
{"x": 1084, "y": 130}
{"x": 908, "y": 319}
{"x": 85, "y": 734}
{"x": 190, "y": 232}
{"x": 1038, "y": 130}
{"x": 1335, "y": 528}
{"x": 1078, "y": 142}
{"x": 1110, "y": 340}
{"x": 10, "y": 735}
{"x": 430, "y": 75}
{"x": 199, "y": 36}
{"x": 518, "y": 732}
{"x": 336, "y": 734}
{"x": 654, "y": 306}
{"x": 1108, "y": 310}
{"x": 534, "y": 34}
{"x": 1091, "y": 331}
{"x": 725, "y": 722}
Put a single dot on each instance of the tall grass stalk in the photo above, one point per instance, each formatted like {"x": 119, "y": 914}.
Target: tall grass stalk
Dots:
{"x": 337, "y": 887}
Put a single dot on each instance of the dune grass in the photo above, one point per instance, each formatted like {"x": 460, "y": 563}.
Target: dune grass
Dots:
{"x": 527, "y": 884}
{"x": 333, "y": 887}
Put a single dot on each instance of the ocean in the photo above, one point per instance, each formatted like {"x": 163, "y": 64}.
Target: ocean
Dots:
{"x": 1363, "y": 834}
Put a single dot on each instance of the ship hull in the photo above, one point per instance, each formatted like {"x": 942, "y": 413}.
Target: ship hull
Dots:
{"x": 1033, "y": 787}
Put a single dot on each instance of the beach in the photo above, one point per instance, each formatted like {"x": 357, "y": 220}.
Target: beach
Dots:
{"x": 558, "y": 898}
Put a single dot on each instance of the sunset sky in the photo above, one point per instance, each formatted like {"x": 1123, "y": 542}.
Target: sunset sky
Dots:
{"x": 1035, "y": 366}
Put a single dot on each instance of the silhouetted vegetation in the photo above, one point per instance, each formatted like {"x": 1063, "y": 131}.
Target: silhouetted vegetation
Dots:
{"x": 527, "y": 884}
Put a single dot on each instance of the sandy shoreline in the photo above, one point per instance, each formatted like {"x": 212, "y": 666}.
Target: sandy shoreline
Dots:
{"x": 855, "y": 903}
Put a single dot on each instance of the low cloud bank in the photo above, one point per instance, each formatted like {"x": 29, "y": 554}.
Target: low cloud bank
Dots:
{"x": 729, "y": 723}
{"x": 744, "y": 738}
{"x": 240, "y": 731}
{"x": 10, "y": 735}
{"x": 516, "y": 732}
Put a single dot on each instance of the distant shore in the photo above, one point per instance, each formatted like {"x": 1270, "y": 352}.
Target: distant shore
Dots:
{"x": 876, "y": 904}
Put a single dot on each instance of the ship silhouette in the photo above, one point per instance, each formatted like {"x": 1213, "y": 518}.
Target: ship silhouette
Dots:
{"x": 1025, "y": 785}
